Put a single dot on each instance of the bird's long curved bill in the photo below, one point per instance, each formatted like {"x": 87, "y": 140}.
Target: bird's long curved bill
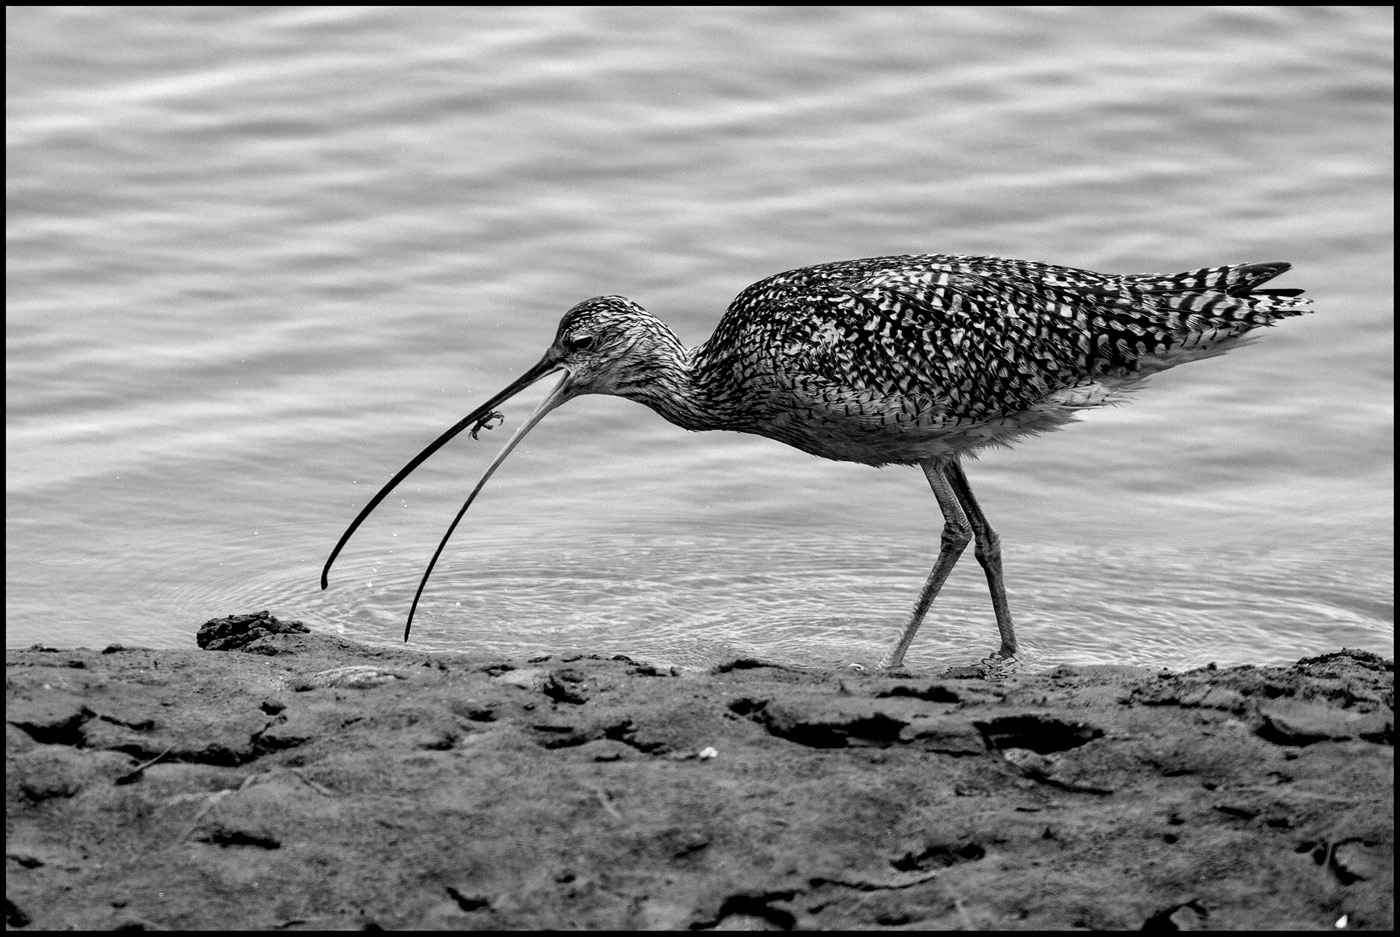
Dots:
{"x": 561, "y": 392}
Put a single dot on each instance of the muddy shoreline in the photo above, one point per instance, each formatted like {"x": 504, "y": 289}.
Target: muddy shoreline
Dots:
{"x": 298, "y": 781}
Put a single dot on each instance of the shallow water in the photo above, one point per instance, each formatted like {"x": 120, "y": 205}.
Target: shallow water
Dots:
{"x": 258, "y": 258}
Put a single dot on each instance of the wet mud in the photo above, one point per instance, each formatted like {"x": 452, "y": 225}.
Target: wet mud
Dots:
{"x": 280, "y": 778}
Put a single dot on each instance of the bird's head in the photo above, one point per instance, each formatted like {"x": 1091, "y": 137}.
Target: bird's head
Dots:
{"x": 609, "y": 345}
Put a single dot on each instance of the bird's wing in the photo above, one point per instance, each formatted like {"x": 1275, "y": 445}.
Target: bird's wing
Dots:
{"x": 978, "y": 337}
{"x": 972, "y": 345}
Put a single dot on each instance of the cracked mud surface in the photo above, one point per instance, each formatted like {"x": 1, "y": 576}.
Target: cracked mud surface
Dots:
{"x": 298, "y": 781}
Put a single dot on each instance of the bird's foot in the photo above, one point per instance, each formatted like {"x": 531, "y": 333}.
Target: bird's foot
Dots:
{"x": 882, "y": 668}
{"x": 993, "y": 667}
{"x": 893, "y": 661}
{"x": 999, "y": 665}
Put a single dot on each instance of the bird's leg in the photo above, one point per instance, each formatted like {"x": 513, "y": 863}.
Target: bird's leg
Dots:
{"x": 957, "y": 533}
{"x": 988, "y": 553}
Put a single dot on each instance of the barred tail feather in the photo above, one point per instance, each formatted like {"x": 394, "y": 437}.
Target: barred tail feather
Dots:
{"x": 1212, "y": 310}
{"x": 1234, "y": 279}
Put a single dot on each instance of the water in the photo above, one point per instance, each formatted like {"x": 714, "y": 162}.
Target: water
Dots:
{"x": 258, "y": 257}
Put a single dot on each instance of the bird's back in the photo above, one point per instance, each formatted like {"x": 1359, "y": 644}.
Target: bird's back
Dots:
{"x": 899, "y": 359}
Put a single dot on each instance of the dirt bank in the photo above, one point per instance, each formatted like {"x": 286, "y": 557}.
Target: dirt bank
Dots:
{"x": 300, "y": 781}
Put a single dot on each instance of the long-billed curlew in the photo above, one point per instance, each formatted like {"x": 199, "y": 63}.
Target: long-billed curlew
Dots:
{"x": 913, "y": 359}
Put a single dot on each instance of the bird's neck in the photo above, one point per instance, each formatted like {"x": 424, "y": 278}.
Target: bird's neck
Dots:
{"x": 672, "y": 386}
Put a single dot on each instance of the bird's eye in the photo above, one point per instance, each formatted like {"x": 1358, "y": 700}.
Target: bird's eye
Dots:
{"x": 580, "y": 342}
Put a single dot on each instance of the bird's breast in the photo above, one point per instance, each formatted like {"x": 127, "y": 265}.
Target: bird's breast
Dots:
{"x": 878, "y": 428}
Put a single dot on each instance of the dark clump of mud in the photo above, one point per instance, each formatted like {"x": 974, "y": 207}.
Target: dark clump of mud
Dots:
{"x": 304, "y": 782}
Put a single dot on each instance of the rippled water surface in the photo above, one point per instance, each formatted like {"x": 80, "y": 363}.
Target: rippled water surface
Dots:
{"x": 257, "y": 258}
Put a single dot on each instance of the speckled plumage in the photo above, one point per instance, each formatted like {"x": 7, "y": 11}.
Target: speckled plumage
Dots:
{"x": 913, "y": 359}
{"x": 900, "y": 359}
